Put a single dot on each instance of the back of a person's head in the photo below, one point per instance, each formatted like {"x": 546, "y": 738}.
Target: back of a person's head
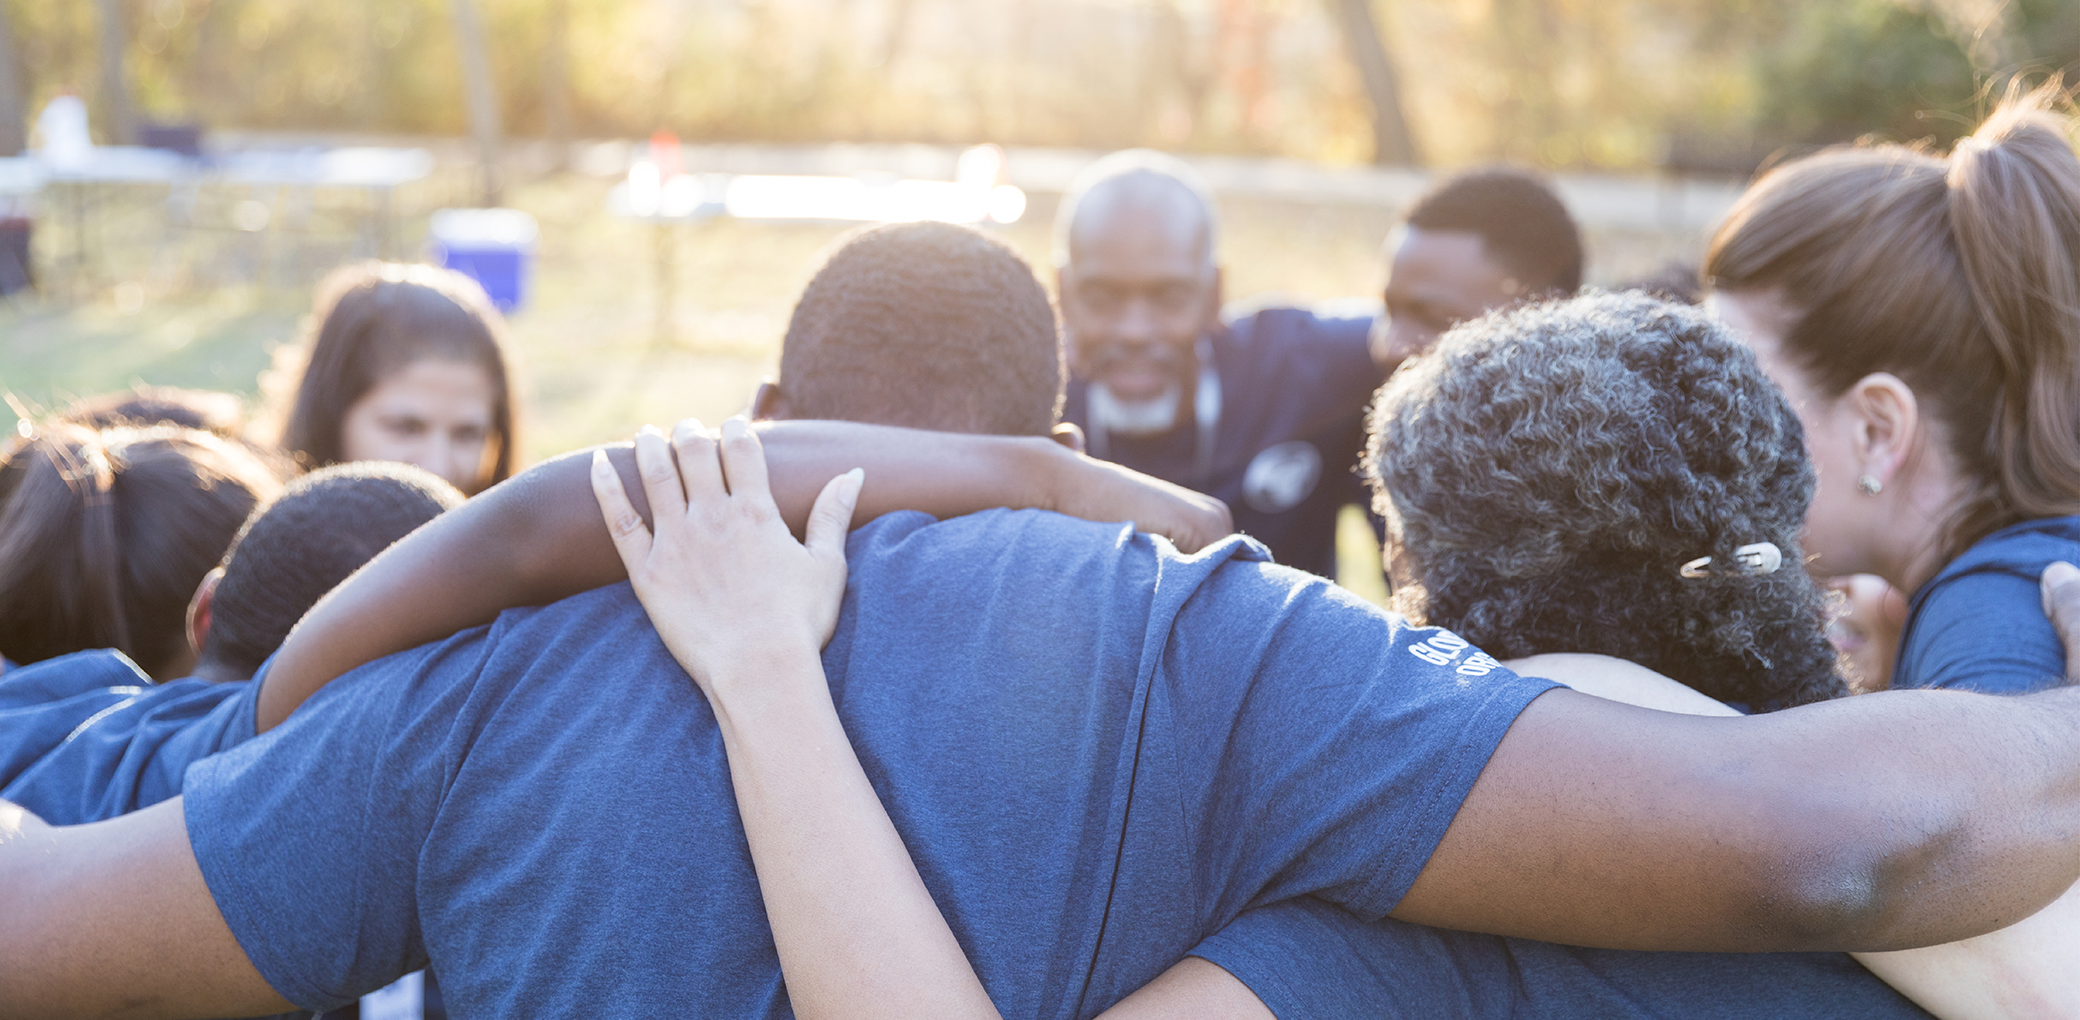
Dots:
{"x": 106, "y": 534}
{"x": 1959, "y": 275}
{"x": 208, "y": 410}
{"x": 1551, "y": 471}
{"x": 324, "y": 526}
{"x": 371, "y": 320}
{"x": 924, "y": 325}
{"x": 1522, "y": 224}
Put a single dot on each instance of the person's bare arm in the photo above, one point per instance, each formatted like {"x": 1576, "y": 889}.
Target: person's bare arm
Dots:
{"x": 1888, "y": 821}
{"x": 113, "y": 919}
{"x": 745, "y": 609}
{"x": 2029, "y": 970}
{"x": 537, "y": 537}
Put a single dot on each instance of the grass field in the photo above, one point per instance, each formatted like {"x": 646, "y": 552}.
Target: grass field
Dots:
{"x": 597, "y": 357}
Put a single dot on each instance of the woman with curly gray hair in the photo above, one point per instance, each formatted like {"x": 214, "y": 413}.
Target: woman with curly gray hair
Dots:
{"x": 1616, "y": 474}
{"x": 1613, "y": 474}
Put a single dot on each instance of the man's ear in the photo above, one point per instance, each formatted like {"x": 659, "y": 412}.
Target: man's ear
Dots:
{"x": 1887, "y": 422}
{"x": 1216, "y": 295}
{"x": 201, "y": 609}
{"x": 1069, "y": 434}
{"x": 767, "y": 402}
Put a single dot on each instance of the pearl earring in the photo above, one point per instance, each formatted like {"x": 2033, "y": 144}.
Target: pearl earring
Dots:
{"x": 1869, "y": 485}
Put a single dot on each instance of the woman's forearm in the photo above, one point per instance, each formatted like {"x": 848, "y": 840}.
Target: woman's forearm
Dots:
{"x": 2029, "y": 970}
{"x": 857, "y": 931}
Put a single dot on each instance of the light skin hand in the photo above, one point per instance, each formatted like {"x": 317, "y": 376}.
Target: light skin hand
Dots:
{"x": 744, "y": 608}
{"x": 2060, "y": 589}
{"x": 723, "y": 580}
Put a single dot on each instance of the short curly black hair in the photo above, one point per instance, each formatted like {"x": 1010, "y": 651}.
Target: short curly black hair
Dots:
{"x": 324, "y": 526}
{"x": 1550, "y": 469}
{"x": 1521, "y": 222}
{"x": 925, "y": 325}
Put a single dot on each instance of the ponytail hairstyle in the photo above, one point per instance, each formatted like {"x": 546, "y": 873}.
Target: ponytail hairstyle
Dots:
{"x": 1556, "y": 472}
{"x": 370, "y": 321}
{"x": 142, "y": 405}
{"x": 1959, "y": 275}
{"x": 106, "y": 534}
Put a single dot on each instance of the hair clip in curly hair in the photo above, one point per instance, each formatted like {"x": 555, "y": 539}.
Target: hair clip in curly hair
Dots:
{"x": 1759, "y": 558}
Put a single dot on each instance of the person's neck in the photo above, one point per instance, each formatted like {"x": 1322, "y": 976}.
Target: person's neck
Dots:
{"x": 1915, "y": 538}
{"x": 219, "y": 673}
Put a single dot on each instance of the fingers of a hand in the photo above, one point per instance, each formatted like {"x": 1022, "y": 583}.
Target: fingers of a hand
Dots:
{"x": 699, "y": 464}
{"x": 831, "y": 518}
{"x": 660, "y": 475}
{"x": 2060, "y": 590}
{"x": 631, "y": 538}
{"x": 744, "y": 462}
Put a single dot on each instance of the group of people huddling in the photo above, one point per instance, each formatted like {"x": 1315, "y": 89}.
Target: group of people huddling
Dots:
{"x": 981, "y": 723}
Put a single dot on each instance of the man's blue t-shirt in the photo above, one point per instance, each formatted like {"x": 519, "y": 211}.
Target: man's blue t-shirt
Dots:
{"x": 88, "y": 736}
{"x": 1294, "y": 388}
{"x": 1979, "y": 624}
{"x": 1097, "y": 750}
{"x": 1307, "y": 959}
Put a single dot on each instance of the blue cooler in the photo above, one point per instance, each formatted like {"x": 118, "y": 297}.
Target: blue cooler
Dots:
{"x": 494, "y": 247}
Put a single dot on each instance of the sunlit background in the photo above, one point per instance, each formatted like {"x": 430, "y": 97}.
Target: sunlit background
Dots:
{"x": 683, "y": 161}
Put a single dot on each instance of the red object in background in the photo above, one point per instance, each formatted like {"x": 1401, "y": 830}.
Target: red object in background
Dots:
{"x": 664, "y": 154}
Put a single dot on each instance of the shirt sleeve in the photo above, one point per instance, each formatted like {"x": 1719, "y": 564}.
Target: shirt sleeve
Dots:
{"x": 309, "y": 836}
{"x": 1309, "y": 959}
{"x": 1306, "y": 959}
{"x": 1332, "y": 359}
{"x": 1982, "y": 631}
{"x": 100, "y": 753}
{"x": 1342, "y": 739}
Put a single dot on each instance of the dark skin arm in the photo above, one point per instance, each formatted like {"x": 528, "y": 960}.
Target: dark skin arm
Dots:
{"x": 538, "y": 537}
{"x": 1889, "y": 821}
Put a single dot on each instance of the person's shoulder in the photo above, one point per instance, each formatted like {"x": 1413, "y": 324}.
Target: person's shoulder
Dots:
{"x": 2022, "y": 549}
{"x": 1281, "y": 318}
{"x": 1982, "y": 630}
{"x": 66, "y": 676}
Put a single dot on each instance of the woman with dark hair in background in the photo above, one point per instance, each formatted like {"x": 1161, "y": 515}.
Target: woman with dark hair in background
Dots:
{"x": 405, "y": 363}
{"x": 105, "y": 535}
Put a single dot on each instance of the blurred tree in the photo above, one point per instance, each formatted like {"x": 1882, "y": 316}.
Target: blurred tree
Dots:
{"x": 1865, "y": 67}
{"x": 1392, "y": 144}
{"x": 482, "y": 93}
{"x": 556, "y": 83}
{"x": 14, "y": 114}
{"x": 114, "y": 94}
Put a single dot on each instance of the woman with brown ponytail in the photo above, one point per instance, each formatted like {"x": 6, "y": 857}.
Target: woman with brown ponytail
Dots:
{"x": 1923, "y": 315}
